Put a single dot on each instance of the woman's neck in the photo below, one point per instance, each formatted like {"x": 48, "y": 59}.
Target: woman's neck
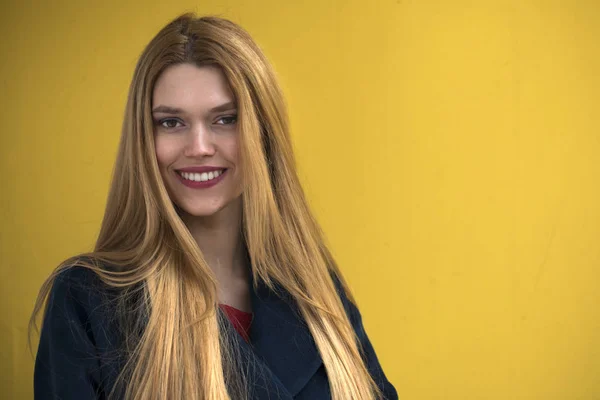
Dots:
{"x": 221, "y": 241}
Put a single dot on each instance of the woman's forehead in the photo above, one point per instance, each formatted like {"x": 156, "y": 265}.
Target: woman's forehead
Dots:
{"x": 189, "y": 87}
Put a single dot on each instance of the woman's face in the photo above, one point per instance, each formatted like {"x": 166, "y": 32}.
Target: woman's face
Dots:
{"x": 196, "y": 138}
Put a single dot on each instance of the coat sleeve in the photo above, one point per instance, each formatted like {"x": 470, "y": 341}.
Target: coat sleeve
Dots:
{"x": 66, "y": 365}
{"x": 369, "y": 355}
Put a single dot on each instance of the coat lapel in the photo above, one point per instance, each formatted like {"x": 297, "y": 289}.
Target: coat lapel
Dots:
{"x": 282, "y": 355}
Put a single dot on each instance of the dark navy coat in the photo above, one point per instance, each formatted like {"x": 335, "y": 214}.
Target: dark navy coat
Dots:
{"x": 78, "y": 351}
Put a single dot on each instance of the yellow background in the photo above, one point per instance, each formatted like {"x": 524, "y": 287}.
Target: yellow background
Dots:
{"x": 449, "y": 148}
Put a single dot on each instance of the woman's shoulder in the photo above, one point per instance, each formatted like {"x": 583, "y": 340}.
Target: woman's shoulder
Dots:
{"x": 81, "y": 277}
{"x": 80, "y": 338}
{"x": 348, "y": 301}
{"x": 82, "y": 307}
{"x": 77, "y": 276}
{"x": 78, "y": 291}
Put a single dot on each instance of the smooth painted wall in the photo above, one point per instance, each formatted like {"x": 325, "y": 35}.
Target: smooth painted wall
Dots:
{"x": 449, "y": 148}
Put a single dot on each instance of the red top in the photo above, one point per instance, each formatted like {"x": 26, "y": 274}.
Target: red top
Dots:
{"x": 241, "y": 320}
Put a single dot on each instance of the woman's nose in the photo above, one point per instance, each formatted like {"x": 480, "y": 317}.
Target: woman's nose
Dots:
{"x": 200, "y": 142}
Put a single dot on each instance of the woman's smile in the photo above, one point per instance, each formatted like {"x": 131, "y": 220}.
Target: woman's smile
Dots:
{"x": 201, "y": 180}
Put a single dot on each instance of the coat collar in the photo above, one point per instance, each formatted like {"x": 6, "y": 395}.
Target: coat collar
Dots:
{"x": 281, "y": 356}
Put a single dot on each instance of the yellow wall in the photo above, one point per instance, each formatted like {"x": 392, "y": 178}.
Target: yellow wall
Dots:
{"x": 449, "y": 148}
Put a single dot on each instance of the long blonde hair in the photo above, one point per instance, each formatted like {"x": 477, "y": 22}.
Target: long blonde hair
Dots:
{"x": 181, "y": 352}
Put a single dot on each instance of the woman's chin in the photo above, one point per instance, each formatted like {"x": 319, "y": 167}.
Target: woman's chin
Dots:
{"x": 209, "y": 209}
{"x": 201, "y": 212}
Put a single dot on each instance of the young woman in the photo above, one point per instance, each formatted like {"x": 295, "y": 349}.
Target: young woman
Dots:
{"x": 210, "y": 278}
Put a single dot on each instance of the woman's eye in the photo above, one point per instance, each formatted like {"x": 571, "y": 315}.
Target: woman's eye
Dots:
{"x": 227, "y": 120}
{"x": 169, "y": 123}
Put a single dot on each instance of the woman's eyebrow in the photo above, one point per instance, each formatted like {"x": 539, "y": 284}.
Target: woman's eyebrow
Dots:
{"x": 224, "y": 107}
{"x": 167, "y": 110}
{"x": 173, "y": 110}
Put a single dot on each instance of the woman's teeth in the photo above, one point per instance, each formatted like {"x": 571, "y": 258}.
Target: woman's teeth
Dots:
{"x": 201, "y": 177}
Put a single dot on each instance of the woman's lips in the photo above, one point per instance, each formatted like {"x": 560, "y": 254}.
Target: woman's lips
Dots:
{"x": 191, "y": 178}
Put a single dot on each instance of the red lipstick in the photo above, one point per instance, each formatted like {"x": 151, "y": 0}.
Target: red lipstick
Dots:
{"x": 196, "y": 184}
{"x": 205, "y": 168}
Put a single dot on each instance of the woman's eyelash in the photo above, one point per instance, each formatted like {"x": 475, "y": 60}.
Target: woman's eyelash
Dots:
{"x": 231, "y": 118}
{"x": 162, "y": 122}
{"x": 172, "y": 123}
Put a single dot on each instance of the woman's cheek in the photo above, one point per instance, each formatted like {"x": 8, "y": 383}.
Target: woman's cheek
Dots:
{"x": 165, "y": 151}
